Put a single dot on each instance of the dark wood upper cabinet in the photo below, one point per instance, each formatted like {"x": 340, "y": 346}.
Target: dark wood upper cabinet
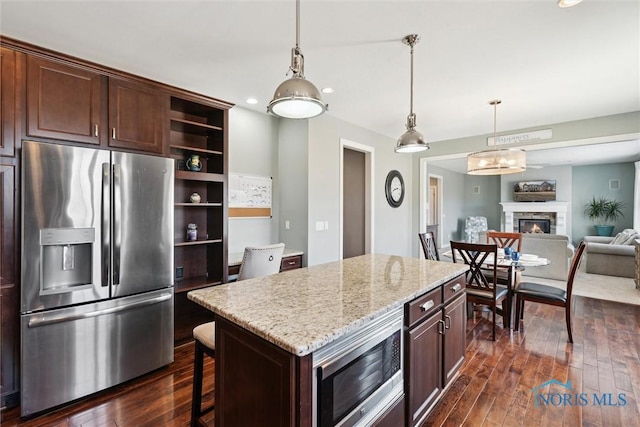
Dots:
{"x": 64, "y": 102}
{"x": 136, "y": 116}
{"x": 7, "y": 101}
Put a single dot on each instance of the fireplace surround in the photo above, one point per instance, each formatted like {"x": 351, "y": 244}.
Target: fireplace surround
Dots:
{"x": 535, "y": 210}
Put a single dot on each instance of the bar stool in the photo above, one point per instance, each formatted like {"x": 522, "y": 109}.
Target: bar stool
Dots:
{"x": 257, "y": 261}
{"x": 204, "y": 336}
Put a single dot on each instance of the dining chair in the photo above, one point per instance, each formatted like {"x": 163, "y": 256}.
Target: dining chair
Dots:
{"x": 482, "y": 286}
{"x": 428, "y": 242}
{"x": 507, "y": 276}
{"x": 505, "y": 239}
{"x": 545, "y": 294}
{"x": 257, "y": 261}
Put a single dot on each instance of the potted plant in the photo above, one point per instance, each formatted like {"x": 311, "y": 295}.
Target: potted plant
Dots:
{"x": 604, "y": 211}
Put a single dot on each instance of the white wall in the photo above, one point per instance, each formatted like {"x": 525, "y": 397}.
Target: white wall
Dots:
{"x": 392, "y": 226}
{"x": 253, "y": 142}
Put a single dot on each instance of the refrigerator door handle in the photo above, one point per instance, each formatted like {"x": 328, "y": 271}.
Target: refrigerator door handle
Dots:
{"x": 117, "y": 222}
{"x": 105, "y": 212}
{"x": 45, "y": 319}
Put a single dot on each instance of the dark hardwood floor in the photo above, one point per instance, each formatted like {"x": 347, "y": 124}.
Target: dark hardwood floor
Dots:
{"x": 495, "y": 386}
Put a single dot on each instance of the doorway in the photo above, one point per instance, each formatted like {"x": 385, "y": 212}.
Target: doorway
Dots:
{"x": 434, "y": 221}
{"x": 356, "y": 199}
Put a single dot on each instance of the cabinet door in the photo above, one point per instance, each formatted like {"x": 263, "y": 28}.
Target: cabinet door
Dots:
{"x": 7, "y": 101}
{"x": 135, "y": 116}
{"x": 424, "y": 367}
{"x": 63, "y": 102}
{"x": 455, "y": 342}
{"x": 9, "y": 350}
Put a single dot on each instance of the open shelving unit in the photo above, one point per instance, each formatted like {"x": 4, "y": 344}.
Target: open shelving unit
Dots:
{"x": 196, "y": 128}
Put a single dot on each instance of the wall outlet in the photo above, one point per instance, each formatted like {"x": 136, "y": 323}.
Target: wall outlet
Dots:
{"x": 326, "y": 225}
{"x": 319, "y": 225}
{"x": 287, "y": 225}
{"x": 179, "y": 273}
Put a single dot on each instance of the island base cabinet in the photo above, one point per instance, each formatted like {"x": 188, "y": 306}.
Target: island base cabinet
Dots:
{"x": 435, "y": 345}
{"x": 455, "y": 340}
{"x": 258, "y": 383}
{"x": 423, "y": 379}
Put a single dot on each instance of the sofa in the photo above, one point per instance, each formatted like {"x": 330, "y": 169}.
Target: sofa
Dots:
{"x": 611, "y": 256}
{"x": 556, "y": 247}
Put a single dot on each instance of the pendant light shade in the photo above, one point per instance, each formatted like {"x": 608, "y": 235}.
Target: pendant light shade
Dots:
{"x": 297, "y": 97}
{"x": 411, "y": 141}
{"x": 497, "y": 161}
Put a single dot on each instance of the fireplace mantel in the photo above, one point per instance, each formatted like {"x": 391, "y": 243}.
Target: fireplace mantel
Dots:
{"x": 559, "y": 208}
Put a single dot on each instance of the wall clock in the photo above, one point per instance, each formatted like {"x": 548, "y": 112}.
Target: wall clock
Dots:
{"x": 394, "y": 188}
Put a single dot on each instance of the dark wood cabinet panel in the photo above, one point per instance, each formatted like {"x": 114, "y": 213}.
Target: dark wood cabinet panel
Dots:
{"x": 455, "y": 341}
{"x": 424, "y": 367}
{"x": 258, "y": 383}
{"x": 435, "y": 346}
{"x": 9, "y": 348}
{"x": 7, "y": 101}
{"x": 64, "y": 102}
{"x": 136, "y": 116}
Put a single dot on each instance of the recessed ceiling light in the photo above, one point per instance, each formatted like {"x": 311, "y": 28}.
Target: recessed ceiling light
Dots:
{"x": 568, "y": 3}
{"x": 327, "y": 90}
{"x": 252, "y": 101}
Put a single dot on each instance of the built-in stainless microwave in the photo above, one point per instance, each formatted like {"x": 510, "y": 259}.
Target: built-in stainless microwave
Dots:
{"x": 358, "y": 376}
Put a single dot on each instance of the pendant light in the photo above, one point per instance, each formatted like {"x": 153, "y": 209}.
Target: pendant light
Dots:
{"x": 497, "y": 161}
{"x": 411, "y": 141}
{"x": 297, "y": 97}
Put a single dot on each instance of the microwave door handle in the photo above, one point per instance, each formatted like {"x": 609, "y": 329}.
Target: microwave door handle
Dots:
{"x": 117, "y": 222}
{"x": 104, "y": 219}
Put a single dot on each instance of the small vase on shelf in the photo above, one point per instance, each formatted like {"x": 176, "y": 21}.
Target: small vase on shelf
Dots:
{"x": 192, "y": 232}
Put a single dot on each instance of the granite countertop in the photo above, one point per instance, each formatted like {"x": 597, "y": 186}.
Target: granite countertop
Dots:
{"x": 235, "y": 258}
{"x": 304, "y": 309}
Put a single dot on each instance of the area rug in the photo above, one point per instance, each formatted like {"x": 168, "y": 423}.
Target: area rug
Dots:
{"x": 597, "y": 286}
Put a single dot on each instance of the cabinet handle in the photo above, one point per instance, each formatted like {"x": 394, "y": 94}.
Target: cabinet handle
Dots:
{"x": 95, "y": 130}
{"x": 447, "y": 326}
{"x": 427, "y": 305}
{"x": 441, "y": 327}
{"x": 456, "y": 287}
{"x": 113, "y": 133}
{"x": 291, "y": 262}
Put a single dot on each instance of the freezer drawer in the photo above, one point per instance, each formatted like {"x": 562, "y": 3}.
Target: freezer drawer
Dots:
{"x": 72, "y": 352}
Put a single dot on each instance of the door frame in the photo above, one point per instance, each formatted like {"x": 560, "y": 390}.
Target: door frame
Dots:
{"x": 369, "y": 203}
{"x": 440, "y": 208}
{"x": 424, "y": 196}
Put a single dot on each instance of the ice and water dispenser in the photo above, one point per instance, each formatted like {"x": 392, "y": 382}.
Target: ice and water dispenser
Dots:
{"x": 66, "y": 259}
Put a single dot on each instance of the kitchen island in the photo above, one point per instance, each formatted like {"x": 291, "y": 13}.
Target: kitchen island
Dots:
{"x": 267, "y": 329}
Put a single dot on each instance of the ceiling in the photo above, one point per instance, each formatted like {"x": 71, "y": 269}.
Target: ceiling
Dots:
{"x": 548, "y": 65}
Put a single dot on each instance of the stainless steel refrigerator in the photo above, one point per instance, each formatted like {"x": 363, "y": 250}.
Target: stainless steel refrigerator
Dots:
{"x": 97, "y": 270}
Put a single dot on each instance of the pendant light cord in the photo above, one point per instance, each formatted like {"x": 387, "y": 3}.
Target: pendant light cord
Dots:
{"x": 298, "y": 24}
{"x": 411, "y": 97}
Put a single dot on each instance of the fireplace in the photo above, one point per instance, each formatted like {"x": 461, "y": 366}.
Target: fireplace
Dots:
{"x": 556, "y": 212}
{"x": 528, "y": 225}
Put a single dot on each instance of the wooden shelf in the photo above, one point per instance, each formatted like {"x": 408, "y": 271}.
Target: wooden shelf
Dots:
{"x": 197, "y": 150}
{"x": 191, "y": 284}
{"x": 197, "y": 242}
{"x": 200, "y": 176}
{"x": 193, "y": 128}
{"x": 200, "y": 205}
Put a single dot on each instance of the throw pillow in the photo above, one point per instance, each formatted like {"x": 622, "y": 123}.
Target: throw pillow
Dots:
{"x": 631, "y": 240}
{"x": 620, "y": 237}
